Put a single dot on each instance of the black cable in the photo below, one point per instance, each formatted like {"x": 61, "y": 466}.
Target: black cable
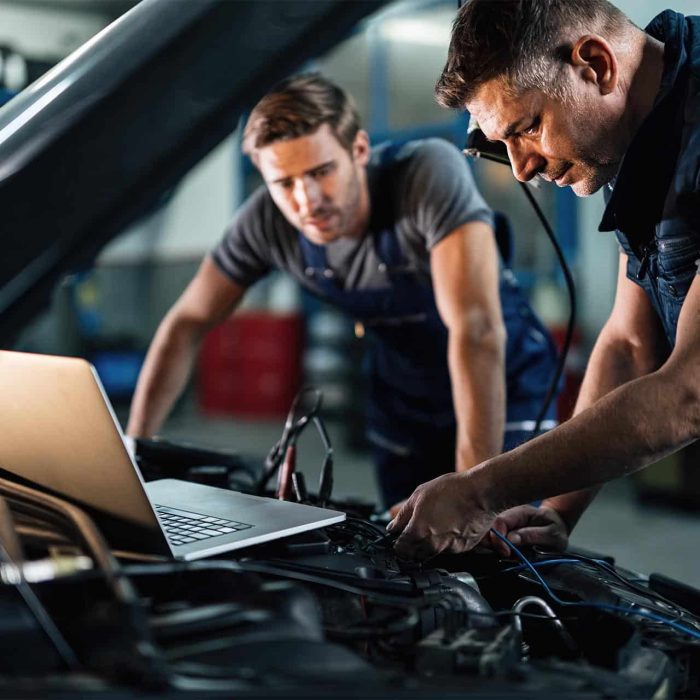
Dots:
{"x": 366, "y": 528}
{"x": 325, "y": 483}
{"x": 423, "y": 598}
{"x": 63, "y": 649}
{"x": 167, "y": 627}
{"x": 479, "y": 147}
{"x": 397, "y": 601}
{"x": 293, "y": 428}
{"x": 563, "y": 353}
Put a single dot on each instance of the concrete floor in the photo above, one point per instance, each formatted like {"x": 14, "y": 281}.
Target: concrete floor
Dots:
{"x": 640, "y": 537}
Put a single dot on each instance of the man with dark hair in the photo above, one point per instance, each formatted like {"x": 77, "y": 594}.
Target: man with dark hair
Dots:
{"x": 582, "y": 97}
{"x": 399, "y": 238}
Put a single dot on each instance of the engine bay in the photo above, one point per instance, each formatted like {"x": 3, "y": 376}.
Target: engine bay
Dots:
{"x": 335, "y": 612}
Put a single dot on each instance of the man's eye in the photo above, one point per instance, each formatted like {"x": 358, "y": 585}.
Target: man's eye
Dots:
{"x": 533, "y": 128}
{"x": 285, "y": 184}
{"x": 323, "y": 171}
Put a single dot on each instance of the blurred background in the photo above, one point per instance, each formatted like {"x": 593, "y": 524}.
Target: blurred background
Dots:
{"x": 251, "y": 367}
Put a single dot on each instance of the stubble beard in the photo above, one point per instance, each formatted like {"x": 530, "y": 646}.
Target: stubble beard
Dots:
{"x": 349, "y": 215}
{"x": 599, "y": 159}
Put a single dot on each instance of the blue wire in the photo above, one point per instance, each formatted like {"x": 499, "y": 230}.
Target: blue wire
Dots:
{"x": 550, "y": 562}
{"x": 601, "y": 606}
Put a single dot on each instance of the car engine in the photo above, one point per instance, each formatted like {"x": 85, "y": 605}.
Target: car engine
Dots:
{"x": 331, "y": 612}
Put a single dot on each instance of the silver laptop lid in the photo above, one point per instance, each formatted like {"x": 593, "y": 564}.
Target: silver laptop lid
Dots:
{"x": 58, "y": 432}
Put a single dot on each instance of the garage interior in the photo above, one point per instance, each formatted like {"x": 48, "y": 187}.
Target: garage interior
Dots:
{"x": 107, "y": 310}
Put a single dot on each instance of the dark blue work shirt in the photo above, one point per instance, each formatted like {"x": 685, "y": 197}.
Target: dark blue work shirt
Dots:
{"x": 654, "y": 206}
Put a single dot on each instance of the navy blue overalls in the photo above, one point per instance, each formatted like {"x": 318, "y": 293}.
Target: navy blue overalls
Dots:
{"x": 410, "y": 416}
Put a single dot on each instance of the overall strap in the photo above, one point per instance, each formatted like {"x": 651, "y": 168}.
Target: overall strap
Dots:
{"x": 383, "y": 223}
{"x": 504, "y": 237}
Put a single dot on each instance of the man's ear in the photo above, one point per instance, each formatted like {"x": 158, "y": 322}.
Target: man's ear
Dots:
{"x": 595, "y": 62}
{"x": 361, "y": 148}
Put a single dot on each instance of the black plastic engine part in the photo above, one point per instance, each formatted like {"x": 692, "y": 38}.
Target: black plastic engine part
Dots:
{"x": 485, "y": 652}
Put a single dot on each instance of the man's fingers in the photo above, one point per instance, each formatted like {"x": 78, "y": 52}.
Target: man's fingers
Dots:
{"x": 514, "y": 518}
{"x": 401, "y": 519}
{"x": 550, "y": 536}
{"x": 498, "y": 544}
{"x": 394, "y": 510}
{"x": 500, "y": 525}
{"x": 507, "y": 524}
{"x": 410, "y": 546}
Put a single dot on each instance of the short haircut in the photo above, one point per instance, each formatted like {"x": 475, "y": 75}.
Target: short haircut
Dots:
{"x": 298, "y": 106}
{"x": 523, "y": 42}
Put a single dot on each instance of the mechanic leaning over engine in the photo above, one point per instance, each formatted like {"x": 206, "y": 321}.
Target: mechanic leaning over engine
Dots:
{"x": 398, "y": 237}
{"x": 582, "y": 97}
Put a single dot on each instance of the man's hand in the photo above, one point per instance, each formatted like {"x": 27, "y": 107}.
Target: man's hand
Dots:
{"x": 394, "y": 510}
{"x": 527, "y": 525}
{"x": 441, "y": 515}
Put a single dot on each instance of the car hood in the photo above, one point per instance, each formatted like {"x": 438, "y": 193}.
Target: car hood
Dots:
{"x": 95, "y": 142}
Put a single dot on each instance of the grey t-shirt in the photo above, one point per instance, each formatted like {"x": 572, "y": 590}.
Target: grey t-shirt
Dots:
{"x": 433, "y": 193}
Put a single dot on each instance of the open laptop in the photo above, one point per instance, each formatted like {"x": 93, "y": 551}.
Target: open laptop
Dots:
{"x": 58, "y": 432}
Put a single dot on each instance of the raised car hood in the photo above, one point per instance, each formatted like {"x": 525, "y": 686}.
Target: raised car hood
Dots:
{"x": 94, "y": 143}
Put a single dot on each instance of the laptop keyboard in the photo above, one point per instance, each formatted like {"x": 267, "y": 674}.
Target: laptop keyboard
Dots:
{"x": 184, "y": 527}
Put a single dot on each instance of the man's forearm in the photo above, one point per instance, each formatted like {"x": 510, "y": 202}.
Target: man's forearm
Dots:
{"x": 478, "y": 388}
{"x": 611, "y": 365}
{"x": 624, "y": 431}
{"x": 165, "y": 372}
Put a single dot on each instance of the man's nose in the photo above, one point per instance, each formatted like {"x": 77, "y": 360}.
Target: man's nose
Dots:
{"x": 525, "y": 161}
{"x": 306, "y": 195}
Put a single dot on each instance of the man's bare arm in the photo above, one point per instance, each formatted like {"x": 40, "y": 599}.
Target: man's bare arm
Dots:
{"x": 630, "y": 345}
{"x": 632, "y": 426}
{"x": 465, "y": 276}
{"x": 208, "y": 299}
{"x": 629, "y": 428}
